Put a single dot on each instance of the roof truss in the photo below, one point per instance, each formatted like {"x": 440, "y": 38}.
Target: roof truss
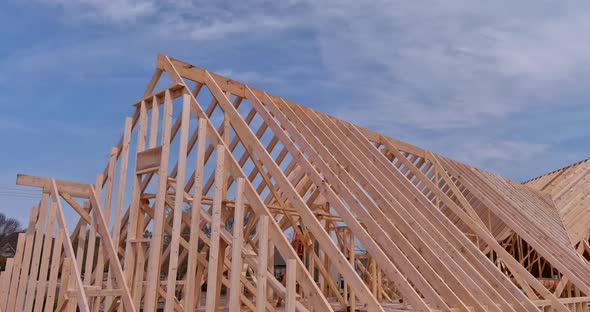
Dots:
{"x": 197, "y": 194}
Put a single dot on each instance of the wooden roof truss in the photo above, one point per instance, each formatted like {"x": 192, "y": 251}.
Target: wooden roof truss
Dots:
{"x": 211, "y": 176}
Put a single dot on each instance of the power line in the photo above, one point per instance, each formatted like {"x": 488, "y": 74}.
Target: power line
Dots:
{"x": 32, "y": 196}
{"x": 12, "y": 189}
{"x": 17, "y": 194}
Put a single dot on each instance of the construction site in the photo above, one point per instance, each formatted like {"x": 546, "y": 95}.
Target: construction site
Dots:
{"x": 222, "y": 197}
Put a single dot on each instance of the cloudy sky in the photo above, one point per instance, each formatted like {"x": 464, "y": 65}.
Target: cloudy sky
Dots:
{"x": 502, "y": 85}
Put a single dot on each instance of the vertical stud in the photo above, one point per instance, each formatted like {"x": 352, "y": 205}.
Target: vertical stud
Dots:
{"x": 291, "y": 282}
{"x": 237, "y": 241}
{"x": 193, "y": 283}
{"x": 262, "y": 267}
{"x": 178, "y": 202}
{"x": 153, "y": 269}
{"x": 215, "y": 231}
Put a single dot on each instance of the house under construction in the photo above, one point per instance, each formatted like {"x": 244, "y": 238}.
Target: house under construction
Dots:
{"x": 211, "y": 178}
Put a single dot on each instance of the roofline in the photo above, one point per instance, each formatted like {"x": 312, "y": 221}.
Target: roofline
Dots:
{"x": 557, "y": 170}
{"x": 197, "y": 74}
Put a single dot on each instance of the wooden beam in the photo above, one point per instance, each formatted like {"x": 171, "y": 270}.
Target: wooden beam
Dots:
{"x": 236, "y": 259}
{"x": 153, "y": 277}
{"x": 134, "y": 253}
{"x": 212, "y": 281}
{"x": 291, "y": 281}
{"x": 53, "y": 273}
{"x": 192, "y": 282}
{"x": 31, "y": 243}
{"x": 148, "y": 161}
{"x": 75, "y": 189}
{"x": 178, "y": 206}
{"x": 69, "y": 250}
{"x": 40, "y": 256}
{"x": 109, "y": 246}
{"x": 261, "y": 261}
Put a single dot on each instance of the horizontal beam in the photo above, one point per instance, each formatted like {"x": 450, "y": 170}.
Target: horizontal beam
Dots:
{"x": 542, "y": 303}
{"x": 175, "y": 91}
{"x": 76, "y": 189}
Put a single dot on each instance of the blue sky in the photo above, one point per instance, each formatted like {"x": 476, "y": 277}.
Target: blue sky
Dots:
{"x": 502, "y": 85}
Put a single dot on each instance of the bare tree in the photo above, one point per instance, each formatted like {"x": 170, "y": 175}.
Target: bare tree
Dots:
{"x": 9, "y": 227}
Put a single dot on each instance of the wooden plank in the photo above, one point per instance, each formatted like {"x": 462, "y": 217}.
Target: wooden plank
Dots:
{"x": 351, "y": 256}
{"x": 16, "y": 272}
{"x": 261, "y": 262}
{"x": 220, "y": 266}
{"x": 73, "y": 188}
{"x": 108, "y": 200}
{"x": 192, "y": 282}
{"x": 64, "y": 286}
{"x": 148, "y": 161}
{"x": 210, "y": 304}
{"x": 3, "y": 283}
{"x": 122, "y": 180}
{"x": 140, "y": 251}
{"x": 153, "y": 277}
{"x": 81, "y": 237}
{"x": 155, "y": 118}
{"x": 103, "y": 292}
{"x": 109, "y": 247}
{"x": 291, "y": 281}
{"x": 33, "y": 242}
{"x": 134, "y": 252}
{"x": 69, "y": 250}
{"x": 43, "y": 257}
{"x": 235, "y": 289}
{"x": 271, "y": 269}
{"x": 120, "y": 197}
{"x": 6, "y": 281}
{"x": 92, "y": 239}
{"x": 53, "y": 273}
{"x": 323, "y": 258}
{"x": 72, "y": 202}
{"x": 175, "y": 89}
{"x": 178, "y": 205}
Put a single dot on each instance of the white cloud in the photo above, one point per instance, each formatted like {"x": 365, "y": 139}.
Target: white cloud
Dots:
{"x": 118, "y": 11}
{"x": 446, "y": 74}
{"x": 454, "y": 64}
{"x": 198, "y": 20}
{"x": 501, "y": 152}
{"x": 224, "y": 27}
